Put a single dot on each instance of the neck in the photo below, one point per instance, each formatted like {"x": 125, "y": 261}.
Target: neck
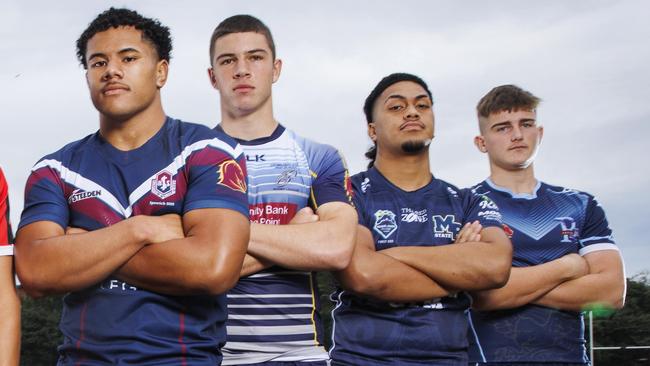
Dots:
{"x": 249, "y": 125}
{"x": 408, "y": 172}
{"x": 518, "y": 181}
{"x": 132, "y": 132}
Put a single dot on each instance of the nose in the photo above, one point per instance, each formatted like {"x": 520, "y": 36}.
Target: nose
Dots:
{"x": 242, "y": 70}
{"x": 412, "y": 113}
{"x": 112, "y": 71}
{"x": 516, "y": 134}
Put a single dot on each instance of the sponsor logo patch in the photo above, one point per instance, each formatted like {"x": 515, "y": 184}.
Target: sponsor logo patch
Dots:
{"x": 568, "y": 229}
{"x": 409, "y": 215}
{"x": 232, "y": 176}
{"x": 445, "y": 226}
{"x": 286, "y": 177}
{"x": 80, "y": 195}
{"x": 385, "y": 224}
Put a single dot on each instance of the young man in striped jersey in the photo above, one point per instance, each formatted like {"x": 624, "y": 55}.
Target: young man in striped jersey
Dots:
{"x": 9, "y": 303}
{"x": 142, "y": 224}
{"x": 299, "y": 205}
{"x": 564, "y": 259}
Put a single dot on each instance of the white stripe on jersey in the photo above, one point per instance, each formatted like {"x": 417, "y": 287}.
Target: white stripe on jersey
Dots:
{"x": 272, "y": 330}
{"x": 254, "y": 296}
{"x": 597, "y": 247}
{"x": 6, "y": 250}
{"x": 272, "y": 317}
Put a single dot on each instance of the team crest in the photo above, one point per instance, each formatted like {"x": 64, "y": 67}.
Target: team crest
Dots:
{"x": 445, "y": 226}
{"x": 163, "y": 185}
{"x": 286, "y": 177}
{"x": 568, "y": 230}
{"x": 385, "y": 223}
{"x": 508, "y": 230}
{"x": 232, "y": 176}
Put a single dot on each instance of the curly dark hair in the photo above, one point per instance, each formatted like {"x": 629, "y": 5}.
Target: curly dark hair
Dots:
{"x": 152, "y": 30}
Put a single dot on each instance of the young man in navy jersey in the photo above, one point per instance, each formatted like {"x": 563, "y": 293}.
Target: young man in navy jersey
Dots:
{"x": 273, "y": 310}
{"x": 143, "y": 224}
{"x": 564, "y": 260}
{"x": 422, "y": 243}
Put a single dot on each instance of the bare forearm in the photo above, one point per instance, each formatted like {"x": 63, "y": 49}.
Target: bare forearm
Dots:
{"x": 10, "y": 329}
{"x": 206, "y": 261}
{"x": 525, "y": 285}
{"x": 468, "y": 266}
{"x": 323, "y": 245}
{"x": 379, "y": 276}
{"x": 604, "y": 285}
{"x": 253, "y": 265}
{"x": 48, "y": 261}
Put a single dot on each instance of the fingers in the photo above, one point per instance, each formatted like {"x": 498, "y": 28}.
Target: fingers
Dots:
{"x": 471, "y": 232}
{"x": 304, "y": 215}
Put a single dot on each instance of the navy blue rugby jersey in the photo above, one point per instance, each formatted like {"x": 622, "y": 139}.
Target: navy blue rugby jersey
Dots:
{"x": 273, "y": 314}
{"x": 89, "y": 184}
{"x": 371, "y": 332}
{"x": 543, "y": 226}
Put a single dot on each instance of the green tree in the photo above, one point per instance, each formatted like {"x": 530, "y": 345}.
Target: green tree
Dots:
{"x": 40, "y": 332}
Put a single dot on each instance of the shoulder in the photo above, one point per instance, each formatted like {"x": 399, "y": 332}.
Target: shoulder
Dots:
{"x": 64, "y": 155}
{"x": 568, "y": 193}
{"x": 313, "y": 149}
{"x": 361, "y": 182}
{"x": 199, "y": 136}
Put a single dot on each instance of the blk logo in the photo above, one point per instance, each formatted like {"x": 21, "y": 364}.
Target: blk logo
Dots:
{"x": 255, "y": 158}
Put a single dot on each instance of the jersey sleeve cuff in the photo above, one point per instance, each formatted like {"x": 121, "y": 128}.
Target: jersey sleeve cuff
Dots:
{"x": 6, "y": 250}
{"x": 597, "y": 247}
{"x": 222, "y": 203}
{"x": 53, "y": 218}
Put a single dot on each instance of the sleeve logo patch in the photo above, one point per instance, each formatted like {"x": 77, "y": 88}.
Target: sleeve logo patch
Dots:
{"x": 232, "y": 176}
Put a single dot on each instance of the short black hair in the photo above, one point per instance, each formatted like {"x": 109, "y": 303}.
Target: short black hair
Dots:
{"x": 239, "y": 24}
{"x": 152, "y": 30}
{"x": 384, "y": 84}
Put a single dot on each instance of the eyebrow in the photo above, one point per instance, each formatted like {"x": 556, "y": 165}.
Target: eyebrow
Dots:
{"x": 401, "y": 97}
{"x": 122, "y": 51}
{"x": 250, "y": 52}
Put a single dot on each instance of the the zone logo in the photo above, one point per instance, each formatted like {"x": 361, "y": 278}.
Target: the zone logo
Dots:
{"x": 409, "y": 215}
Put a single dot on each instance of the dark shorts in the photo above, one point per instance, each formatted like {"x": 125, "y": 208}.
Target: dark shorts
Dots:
{"x": 272, "y": 363}
{"x": 526, "y": 364}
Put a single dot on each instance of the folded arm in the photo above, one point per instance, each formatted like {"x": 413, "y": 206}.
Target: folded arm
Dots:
{"x": 527, "y": 284}
{"x": 603, "y": 285}
{"x": 323, "y": 245}
{"x": 9, "y": 313}
{"x": 474, "y": 265}
{"x": 208, "y": 259}
{"x": 49, "y": 262}
{"x": 379, "y": 276}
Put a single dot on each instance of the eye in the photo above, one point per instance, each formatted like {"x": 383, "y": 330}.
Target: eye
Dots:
{"x": 97, "y": 64}
{"x": 226, "y": 61}
{"x": 396, "y": 107}
{"x": 503, "y": 128}
{"x": 423, "y": 106}
{"x": 256, "y": 58}
{"x": 128, "y": 59}
{"x": 528, "y": 124}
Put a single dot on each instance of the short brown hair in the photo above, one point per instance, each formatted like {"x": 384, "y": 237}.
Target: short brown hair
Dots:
{"x": 240, "y": 24}
{"x": 506, "y": 98}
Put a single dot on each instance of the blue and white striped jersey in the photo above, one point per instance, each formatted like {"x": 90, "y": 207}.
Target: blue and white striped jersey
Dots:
{"x": 273, "y": 314}
{"x": 550, "y": 223}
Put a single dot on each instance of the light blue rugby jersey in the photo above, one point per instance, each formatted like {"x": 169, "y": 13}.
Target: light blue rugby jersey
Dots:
{"x": 273, "y": 314}
{"x": 546, "y": 225}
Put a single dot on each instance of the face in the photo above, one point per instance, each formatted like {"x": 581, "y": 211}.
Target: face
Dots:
{"x": 510, "y": 139}
{"x": 124, "y": 74}
{"x": 243, "y": 71}
{"x": 402, "y": 119}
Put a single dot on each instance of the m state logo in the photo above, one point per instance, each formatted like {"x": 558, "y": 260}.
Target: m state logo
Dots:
{"x": 385, "y": 223}
{"x": 232, "y": 176}
{"x": 163, "y": 185}
{"x": 445, "y": 226}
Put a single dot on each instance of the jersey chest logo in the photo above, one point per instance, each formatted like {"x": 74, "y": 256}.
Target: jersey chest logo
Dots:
{"x": 163, "y": 185}
{"x": 385, "y": 224}
{"x": 568, "y": 229}
{"x": 445, "y": 226}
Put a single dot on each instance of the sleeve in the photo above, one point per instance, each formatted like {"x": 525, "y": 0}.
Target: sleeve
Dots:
{"x": 331, "y": 179}
{"x": 45, "y": 196}
{"x": 482, "y": 208}
{"x": 595, "y": 234}
{"x": 6, "y": 235}
{"x": 217, "y": 178}
{"x": 357, "y": 201}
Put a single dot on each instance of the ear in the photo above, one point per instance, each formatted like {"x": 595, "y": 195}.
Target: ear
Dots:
{"x": 541, "y": 133}
{"x": 162, "y": 70}
{"x": 213, "y": 78}
{"x": 479, "y": 141}
{"x": 372, "y": 132}
{"x": 277, "y": 68}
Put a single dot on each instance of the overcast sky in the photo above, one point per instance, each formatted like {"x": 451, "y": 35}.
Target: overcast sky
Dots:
{"x": 588, "y": 61}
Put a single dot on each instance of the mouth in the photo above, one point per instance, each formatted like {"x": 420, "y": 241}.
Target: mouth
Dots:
{"x": 115, "y": 88}
{"x": 243, "y": 88}
{"x": 411, "y": 126}
{"x": 518, "y": 147}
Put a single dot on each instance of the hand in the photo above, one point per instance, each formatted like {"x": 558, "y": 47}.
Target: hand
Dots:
{"x": 74, "y": 230}
{"x": 164, "y": 228}
{"x": 304, "y": 216}
{"x": 575, "y": 265}
{"x": 471, "y": 232}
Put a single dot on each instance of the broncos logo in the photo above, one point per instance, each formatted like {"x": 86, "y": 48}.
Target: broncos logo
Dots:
{"x": 232, "y": 176}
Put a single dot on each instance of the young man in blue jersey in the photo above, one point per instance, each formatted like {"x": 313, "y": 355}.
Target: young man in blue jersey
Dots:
{"x": 9, "y": 303}
{"x": 273, "y": 310}
{"x": 564, "y": 260}
{"x": 422, "y": 243}
{"x": 143, "y": 224}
